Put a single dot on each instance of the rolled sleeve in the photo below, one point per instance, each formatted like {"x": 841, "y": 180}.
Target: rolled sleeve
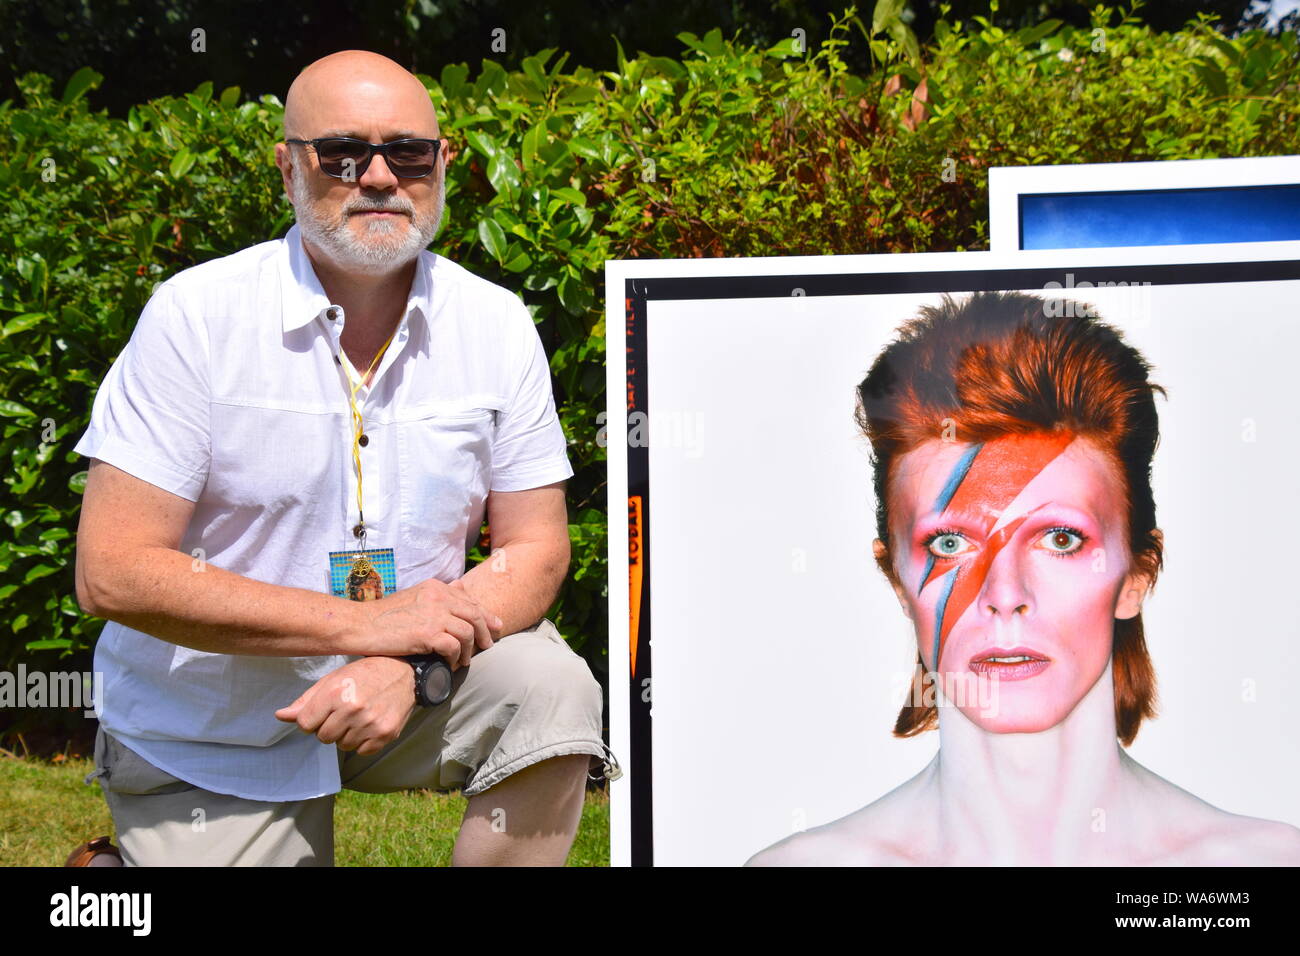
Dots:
{"x": 151, "y": 414}
{"x": 529, "y": 449}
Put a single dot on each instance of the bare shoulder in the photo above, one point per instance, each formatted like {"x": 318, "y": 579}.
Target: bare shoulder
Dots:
{"x": 1193, "y": 832}
{"x": 877, "y": 835}
{"x": 833, "y": 844}
{"x": 1248, "y": 841}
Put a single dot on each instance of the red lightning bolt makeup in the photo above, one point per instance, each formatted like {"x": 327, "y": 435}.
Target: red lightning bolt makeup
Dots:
{"x": 983, "y": 483}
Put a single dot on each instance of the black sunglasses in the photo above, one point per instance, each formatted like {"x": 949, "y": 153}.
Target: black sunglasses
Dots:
{"x": 345, "y": 158}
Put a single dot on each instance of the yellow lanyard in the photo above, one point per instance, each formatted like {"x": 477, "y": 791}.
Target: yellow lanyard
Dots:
{"x": 356, "y": 436}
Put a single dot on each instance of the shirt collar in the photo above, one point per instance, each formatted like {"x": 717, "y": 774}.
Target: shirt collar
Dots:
{"x": 302, "y": 298}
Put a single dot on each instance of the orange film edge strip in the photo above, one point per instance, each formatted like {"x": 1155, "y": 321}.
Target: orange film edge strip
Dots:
{"x": 634, "y": 573}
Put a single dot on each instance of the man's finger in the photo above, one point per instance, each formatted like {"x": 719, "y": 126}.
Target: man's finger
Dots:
{"x": 353, "y": 739}
{"x": 314, "y": 713}
{"x": 447, "y": 646}
{"x": 466, "y": 609}
{"x": 290, "y": 713}
{"x": 481, "y": 622}
{"x": 483, "y": 636}
{"x": 471, "y": 610}
{"x": 334, "y": 728}
{"x": 462, "y": 628}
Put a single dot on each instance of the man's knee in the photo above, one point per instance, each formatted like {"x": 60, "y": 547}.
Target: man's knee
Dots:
{"x": 538, "y": 670}
{"x": 533, "y": 698}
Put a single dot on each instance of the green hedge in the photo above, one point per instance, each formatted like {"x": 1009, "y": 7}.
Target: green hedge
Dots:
{"x": 725, "y": 151}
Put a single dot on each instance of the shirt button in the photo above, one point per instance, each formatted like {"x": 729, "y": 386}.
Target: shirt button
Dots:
{"x": 332, "y": 313}
{"x": 363, "y": 441}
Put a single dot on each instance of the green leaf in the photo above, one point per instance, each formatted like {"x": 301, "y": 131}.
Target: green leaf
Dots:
{"x": 905, "y": 38}
{"x": 40, "y": 571}
{"x": 578, "y": 94}
{"x": 570, "y": 194}
{"x": 77, "y": 483}
{"x": 11, "y": 409}
{"x": 1031, "y": 35}
{"x": 181, "y": 162}
{"x": 1212, "y": 77}
{"x": 229, "y": 97}
{"x": 585, "y": 148}
{"x": 1249, "y": 110}
{"x": 81, "y": 81}
{"x": 503, "y": 174}
{"x": 519, "y": 263}
{"x": 785, "y": 48}
{"x": 484, "y": 144}
{"x": 575, "y": 294}
{"x": 453, "y": 79}
{"x": 532, "y": 139}
{"x": 21, "y": 323}
{"x": 886, "y": 12}
{"x": 532, "y": 67}
{"x": 493, "y": 238}
{"x": 47, "y": 644}
{"x": 539, "y": 282}
{"x": 1230, "y": 52}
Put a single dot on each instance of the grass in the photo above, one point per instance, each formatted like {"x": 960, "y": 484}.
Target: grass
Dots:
{"x": 46, "y": 810}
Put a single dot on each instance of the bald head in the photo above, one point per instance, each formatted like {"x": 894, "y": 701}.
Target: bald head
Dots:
{"x": 361, "y": 94}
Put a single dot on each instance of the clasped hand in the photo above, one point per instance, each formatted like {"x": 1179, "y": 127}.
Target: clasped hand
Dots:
{"x": 364, "y": 705}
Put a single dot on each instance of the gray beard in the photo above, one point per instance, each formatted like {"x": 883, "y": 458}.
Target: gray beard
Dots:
{"x": 384, "y": 249}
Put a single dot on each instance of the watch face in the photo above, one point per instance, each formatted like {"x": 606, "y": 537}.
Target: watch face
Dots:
{"x": 437, "y": 684}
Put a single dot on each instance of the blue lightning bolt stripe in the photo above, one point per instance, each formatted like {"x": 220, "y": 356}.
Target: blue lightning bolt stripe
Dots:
{"x": 949, "y": 489}
{"x": 948, "y": 580}
{"x": 955, "y": 479}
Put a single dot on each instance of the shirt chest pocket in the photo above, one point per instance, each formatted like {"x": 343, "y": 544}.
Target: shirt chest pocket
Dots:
{"x": 446, "y": 467}
{"x": 271, "y": 460}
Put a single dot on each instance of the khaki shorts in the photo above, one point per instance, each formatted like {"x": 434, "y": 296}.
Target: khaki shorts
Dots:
{"x": 527, "y": 698}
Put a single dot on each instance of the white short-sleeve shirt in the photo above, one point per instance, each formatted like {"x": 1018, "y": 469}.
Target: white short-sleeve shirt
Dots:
{"x": 229, "y": 394}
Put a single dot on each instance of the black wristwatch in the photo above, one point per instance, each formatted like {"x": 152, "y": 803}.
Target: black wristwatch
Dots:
{"x": 432, "y": 679}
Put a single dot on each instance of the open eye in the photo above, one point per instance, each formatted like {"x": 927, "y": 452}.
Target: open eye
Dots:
{"x": 948, "y": 544}
{"x": 1061, "y": 542}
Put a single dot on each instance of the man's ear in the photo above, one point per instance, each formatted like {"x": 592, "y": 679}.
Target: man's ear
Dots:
{"x": 284, "y": 161}
{"x": 1135, "y": 588}
{"x": 885, "y": 564}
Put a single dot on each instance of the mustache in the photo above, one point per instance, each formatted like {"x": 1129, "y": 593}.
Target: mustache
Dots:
{"x": 396, "y": 205}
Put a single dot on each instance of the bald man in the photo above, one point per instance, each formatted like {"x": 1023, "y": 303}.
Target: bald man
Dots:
{"x": 336, "y": 405}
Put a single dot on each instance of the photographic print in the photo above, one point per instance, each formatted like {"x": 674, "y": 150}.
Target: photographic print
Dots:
{"x": 1175, "y": 202}
{"x": 956, "y": 559}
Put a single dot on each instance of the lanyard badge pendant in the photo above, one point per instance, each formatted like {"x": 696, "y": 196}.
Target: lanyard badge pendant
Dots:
{"x": 362, "y": 574}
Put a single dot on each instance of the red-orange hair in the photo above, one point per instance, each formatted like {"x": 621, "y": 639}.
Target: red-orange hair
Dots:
{"x": 1000, "y": 363}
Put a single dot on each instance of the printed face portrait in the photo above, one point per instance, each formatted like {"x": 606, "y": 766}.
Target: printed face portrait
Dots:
{"x": 371, "y": 588}
{"x": 1013, "y": 565}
